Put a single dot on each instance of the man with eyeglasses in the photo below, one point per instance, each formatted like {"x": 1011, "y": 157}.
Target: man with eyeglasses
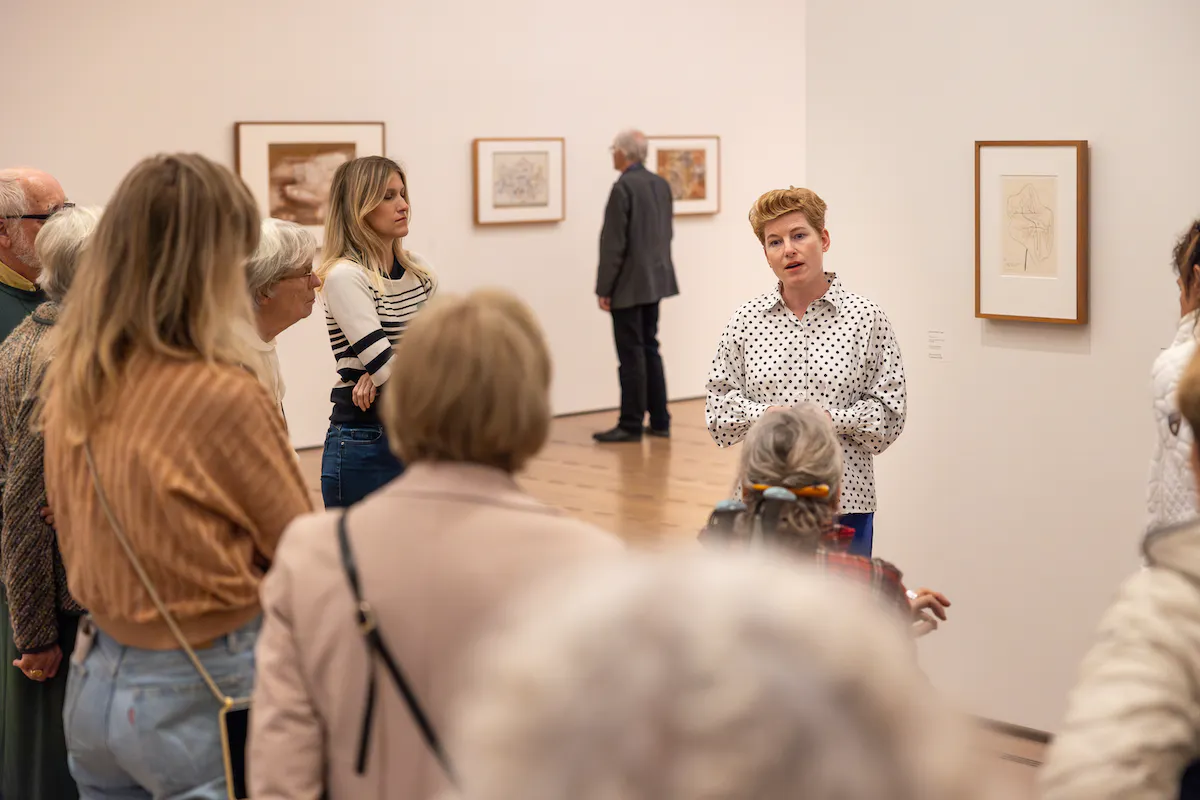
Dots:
{"x": 28, "y": 197}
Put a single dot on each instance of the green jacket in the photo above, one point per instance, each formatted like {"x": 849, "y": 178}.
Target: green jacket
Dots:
{"x": 15, "y": 306}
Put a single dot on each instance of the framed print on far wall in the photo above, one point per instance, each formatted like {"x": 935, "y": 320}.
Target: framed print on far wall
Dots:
{"x": 1031, "y": 231}
{"x": 289, "y": 165}
{"x": 519, "y": 181}
{"x": 692, "y": 165}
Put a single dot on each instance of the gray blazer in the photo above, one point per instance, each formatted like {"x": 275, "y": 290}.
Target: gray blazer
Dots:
{"x": 635, "y": 245}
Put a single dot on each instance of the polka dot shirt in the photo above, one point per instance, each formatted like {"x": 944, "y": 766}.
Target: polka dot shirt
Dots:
{"x": 842, "y": 355}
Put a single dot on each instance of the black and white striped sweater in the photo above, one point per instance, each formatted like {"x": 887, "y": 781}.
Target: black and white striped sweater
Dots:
{"x": 366, "y": 315}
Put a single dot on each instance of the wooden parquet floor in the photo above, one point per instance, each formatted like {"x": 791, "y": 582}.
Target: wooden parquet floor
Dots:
{"x": 654, "y": 491}
{"x": 660, "y": 489}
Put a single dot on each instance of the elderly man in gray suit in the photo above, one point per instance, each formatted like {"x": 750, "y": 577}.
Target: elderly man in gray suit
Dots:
{"x": 635, "y": 274}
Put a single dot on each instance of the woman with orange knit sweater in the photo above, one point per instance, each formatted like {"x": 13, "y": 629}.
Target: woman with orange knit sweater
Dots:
{"x": 161, "y": 450}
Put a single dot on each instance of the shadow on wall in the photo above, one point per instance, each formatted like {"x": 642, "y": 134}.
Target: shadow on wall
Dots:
{"x": 1037, "y": 336}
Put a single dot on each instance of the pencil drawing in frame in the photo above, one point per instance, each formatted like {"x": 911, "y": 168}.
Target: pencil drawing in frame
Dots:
{"x": 519, "y": 181}
{"x": 1031, "y": 231}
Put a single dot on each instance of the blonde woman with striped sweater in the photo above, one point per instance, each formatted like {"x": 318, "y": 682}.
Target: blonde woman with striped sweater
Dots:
{"x": 372, "y": 288}
{"x": 147, "y": 384}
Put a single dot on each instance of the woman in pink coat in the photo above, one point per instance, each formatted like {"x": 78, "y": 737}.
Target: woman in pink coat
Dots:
{"x": 433, "y": 552}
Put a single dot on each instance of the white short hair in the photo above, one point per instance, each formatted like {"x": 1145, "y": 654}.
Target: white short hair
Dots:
{"x": 13, "y": 201}
{"x": 633, "y": 144}
{"x": 283, "y": 247}
{"x": 59, "y": 246}
{"x": 697, "y": 675}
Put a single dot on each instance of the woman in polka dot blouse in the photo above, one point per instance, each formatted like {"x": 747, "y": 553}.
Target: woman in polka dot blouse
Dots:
{"x": 810, "y": 340}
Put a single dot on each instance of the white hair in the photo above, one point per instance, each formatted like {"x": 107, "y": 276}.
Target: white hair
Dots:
{"x": 13, "y": 201}
{"x": 283, "y": 247}
{"x": 633, "y": 144}
{"x": 694, "y": 675}
{"x": 59, "y": 246}
{"x": 795, "y": 447}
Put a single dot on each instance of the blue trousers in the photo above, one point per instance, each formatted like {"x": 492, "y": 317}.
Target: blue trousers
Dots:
{"x": 141, "y": 724}
{"x": 355, "y": 462}
{"x": 864, "y": 532}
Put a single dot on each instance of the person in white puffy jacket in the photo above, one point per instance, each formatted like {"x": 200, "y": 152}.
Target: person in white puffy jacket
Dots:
{"x": 1133, "y": 719}
{"x": 1172, "y": 496}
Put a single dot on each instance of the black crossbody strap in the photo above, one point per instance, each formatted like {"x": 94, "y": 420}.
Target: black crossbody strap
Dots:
{"x": 369, "y": 628}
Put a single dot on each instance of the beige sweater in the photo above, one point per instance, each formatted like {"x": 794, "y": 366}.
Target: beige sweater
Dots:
{"x": 1133, "y": 720}
{"x": 200, "y": 473}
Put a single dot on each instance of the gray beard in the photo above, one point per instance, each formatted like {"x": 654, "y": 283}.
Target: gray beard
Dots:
{"x": 23, "y": 247}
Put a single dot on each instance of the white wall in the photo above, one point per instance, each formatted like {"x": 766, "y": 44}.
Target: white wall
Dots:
{"x": 1019, "y": 486}
{"x": 100, "y": 85}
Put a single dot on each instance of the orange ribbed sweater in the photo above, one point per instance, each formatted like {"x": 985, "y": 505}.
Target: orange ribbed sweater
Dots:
{"x": 199, "y": 471}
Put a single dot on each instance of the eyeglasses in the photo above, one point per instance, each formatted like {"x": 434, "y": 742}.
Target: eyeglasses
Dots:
{"x": 45, "y": 216}
{"x": 302, "y": 272}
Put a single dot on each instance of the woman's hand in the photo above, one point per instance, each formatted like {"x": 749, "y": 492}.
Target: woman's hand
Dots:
{"x": 928, "y": 607}
{"x": 40, "y": 666}
{"x": 364, "y": 392}
{"x": 48, "y": 516}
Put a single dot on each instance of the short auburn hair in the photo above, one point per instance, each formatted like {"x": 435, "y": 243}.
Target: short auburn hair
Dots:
{"x": 470, "y": 383}
{"x": 777, "y": 202}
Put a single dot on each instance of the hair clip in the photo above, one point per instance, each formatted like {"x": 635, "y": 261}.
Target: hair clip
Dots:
{"x": 818, "y": 490}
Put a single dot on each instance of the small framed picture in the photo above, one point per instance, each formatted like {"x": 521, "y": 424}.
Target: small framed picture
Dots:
{"x": 1031, "y": 231}
{"x": 289, "y": 166}
{"x": 519, "y": 181}
{"x": 692, "y": 165}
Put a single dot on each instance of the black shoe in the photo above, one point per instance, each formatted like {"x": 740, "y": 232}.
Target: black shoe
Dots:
{"x": 663, "y": 434}
{"x": 617, "y": 434}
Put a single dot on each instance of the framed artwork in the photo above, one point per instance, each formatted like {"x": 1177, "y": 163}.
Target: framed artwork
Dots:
{"x": 692, "y": 165}
{"x": 519, "y": 181}
{"x": 1031, "y": 231}
{"x": 289, "y": 166}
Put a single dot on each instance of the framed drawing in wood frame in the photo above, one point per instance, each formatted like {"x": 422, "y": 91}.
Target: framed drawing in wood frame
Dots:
{"x": 519, "y": 181}
{"x": 289, "y": 166}
{"x": 1031, "y": 231}
{"x": 692, "y": 165}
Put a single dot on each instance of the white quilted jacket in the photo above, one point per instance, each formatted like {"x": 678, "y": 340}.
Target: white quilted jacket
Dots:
{"x": 1133, "y": 719}
{"x": 1172, "y": 495}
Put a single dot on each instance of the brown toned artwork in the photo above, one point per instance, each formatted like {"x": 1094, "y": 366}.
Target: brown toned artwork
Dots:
{"x": 686, "y": 171}
{"x": 300, "y": 176}
{"x": 691, "y": 165}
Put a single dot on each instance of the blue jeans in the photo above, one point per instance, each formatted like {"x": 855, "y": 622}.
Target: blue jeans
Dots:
{"x": 356, "y": 461}
{"x": 142, "y": 724}
{"x": 864, "y": 532}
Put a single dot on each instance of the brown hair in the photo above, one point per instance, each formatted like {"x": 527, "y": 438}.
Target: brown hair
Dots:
{"x": 164, "y": 272}
{"x": 1186, "y": 256}
{"x": 484, "y": 392}
{"x": 777, "y": 202}
{"x": 1187, "y": 395}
